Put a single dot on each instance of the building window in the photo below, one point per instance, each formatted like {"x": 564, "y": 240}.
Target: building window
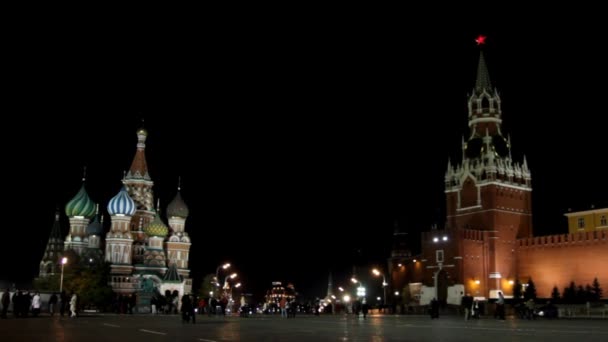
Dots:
{"x": 439, "y": 255}
{"x": 581, "y": 223}
{"x": 603, "y": 221}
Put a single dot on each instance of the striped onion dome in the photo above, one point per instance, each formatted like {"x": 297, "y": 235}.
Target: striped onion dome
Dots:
{"x": 121, "y": 204}
{"x": 156, "y": 227}
{"x": 95, "y": 227}
{"x": 177, "y": 207}
{"x": 80, "y": 205}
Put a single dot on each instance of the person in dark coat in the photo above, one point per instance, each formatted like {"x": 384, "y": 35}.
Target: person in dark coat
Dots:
{"x": 63, "y": 302}
{"x": 434, "y": 308}
{"x": 186, "y": 308}
{"x": 364, "y": 309}
{"x": 53, "y": 304}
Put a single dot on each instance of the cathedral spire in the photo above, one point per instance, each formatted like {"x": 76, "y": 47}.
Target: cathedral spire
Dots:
{"x": 139, "y": 166}
{"x": 54, "y": 249}
{"x": 483, "y": 76}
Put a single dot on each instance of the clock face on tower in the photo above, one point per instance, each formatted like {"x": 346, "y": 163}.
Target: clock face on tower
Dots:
{"x": 501, "y": 147}
{"x": 474, "y": 148}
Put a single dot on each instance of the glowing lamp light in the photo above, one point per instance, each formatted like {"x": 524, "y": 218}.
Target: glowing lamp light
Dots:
{"x": 399, "y": 265}
{"x": 480, "y": 40}
{"x": 477, "y": 282}
{"x": 435, "y": 239}
{"x": 445, "y": 238}
{"x": 396, "y": 293}
{"x": 511, "y": 282}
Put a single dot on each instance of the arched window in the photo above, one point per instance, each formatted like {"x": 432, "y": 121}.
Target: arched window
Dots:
{"x": 485, "y": 104}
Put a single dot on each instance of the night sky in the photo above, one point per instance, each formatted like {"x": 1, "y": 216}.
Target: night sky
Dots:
{"x": 298, "y": 147}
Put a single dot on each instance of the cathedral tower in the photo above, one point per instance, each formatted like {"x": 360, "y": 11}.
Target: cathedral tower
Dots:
{"x": 119, "y": 241}
{"x": 178, "y": 244}
{"x": 139, "y": 185}
{"x": 79, "y": 210}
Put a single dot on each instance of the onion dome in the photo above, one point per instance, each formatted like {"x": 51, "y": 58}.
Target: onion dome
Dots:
{"x": 80, "y": 205}
{"x": 95, "y": 227}
{"x": 156, "y": 227}
{"x": 177, "y": 207}
{"x": 121, "y": 204}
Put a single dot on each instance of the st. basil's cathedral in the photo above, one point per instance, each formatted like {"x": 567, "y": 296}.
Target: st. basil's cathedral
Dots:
{"x": 141, "y": 249}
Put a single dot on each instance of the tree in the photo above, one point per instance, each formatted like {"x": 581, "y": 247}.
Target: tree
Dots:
{"x": 90, "y": 283}
{"x": 517, "y": 291}
{"x": 581, "y": 296}
{"x": 555, "y": 295}
{"x": 208, "y": 285}
{"x": 530, "y": 292}
{"x": 596, "y": 290}
{"x": 570, "y": 293}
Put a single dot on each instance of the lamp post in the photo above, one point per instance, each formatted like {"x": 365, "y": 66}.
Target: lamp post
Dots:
{"x": 64, "y": 261}
{"x": 384, "y": 284}
{"x": 217, "y": 273}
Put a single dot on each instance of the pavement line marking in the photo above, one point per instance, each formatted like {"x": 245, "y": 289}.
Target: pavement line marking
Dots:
{"x": 111, "y": 325}
{"x": 153, "y": 332}
{"x": 202, "y": 339}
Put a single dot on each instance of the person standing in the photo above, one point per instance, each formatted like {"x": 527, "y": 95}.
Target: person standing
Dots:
{"x": 500, "y": 306}
{"x": 52, "y": 303}
{"x": 434, "y": 308}
{"x": 467, "y": 304}
{"x": 36, "y": 304}
{"x": 63, "y": 302}
{"x": 73, "y": 303}
{"x": 6, "y": 301}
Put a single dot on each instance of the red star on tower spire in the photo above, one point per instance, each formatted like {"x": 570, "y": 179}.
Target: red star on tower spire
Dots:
{"x": 480, "y": 40}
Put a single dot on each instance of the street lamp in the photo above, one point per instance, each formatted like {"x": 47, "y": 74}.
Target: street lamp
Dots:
{"x": 217, "y": 272}
{"x": 384, "y": 283}
{"x": 64, "y": 261}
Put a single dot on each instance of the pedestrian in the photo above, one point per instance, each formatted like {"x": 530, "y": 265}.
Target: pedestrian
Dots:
{"x": 500, "y": 306}
{"x": 364, "y": 309}
{"x": 73, "y": 303}
{"x": 36, "y": 304}
{"x": 6, "y": 301}
{"x": 63, "y": 302}
{"x": 52, "y": 303}
{"x": 434, "y": 308}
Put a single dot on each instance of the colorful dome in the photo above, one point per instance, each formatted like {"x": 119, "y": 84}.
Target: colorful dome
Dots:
{"x": 80, "y": 205}
{"x": 121, "y": 204}
{"x": 156, "y": 227}
{"x": 95, "y": 227}
{"x": 177, "y": 207}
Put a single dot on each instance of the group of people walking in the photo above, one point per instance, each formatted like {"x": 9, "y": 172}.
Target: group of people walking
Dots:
{"x": 24, "y": 303}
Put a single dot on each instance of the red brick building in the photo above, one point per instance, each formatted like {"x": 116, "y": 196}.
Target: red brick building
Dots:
{"x": 487, "y": 242}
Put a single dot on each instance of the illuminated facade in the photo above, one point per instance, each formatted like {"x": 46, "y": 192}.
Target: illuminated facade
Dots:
{"x": 587, "y": 221}
{"x": 278, "y": 292}
{"x": 139, "y": 246}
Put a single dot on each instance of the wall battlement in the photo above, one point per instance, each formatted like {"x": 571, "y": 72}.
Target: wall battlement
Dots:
{"x": 597, "y": 236}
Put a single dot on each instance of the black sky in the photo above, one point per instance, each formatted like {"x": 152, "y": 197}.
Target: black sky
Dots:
{"x": 298, "y": 145}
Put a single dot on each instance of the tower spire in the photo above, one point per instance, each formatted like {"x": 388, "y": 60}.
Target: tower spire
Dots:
{"x": 483, "y": 77}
